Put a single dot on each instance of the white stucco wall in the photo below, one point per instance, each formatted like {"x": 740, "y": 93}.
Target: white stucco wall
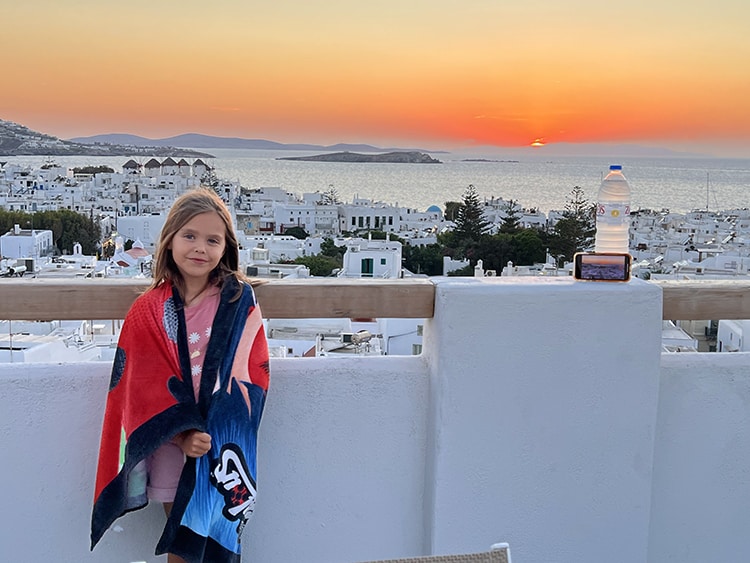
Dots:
{"x": 33, "y": 243}
{"x": 541, "y": 414}
{"x": 732, "y": 336}
{"x": 341, "y": 468}
{"x": 544, "y": 404}
{"x": 701, "y": 485}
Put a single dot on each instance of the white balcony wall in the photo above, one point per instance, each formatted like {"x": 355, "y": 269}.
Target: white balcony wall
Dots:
{"x": 543, "y": 403}
{"x": 701, "y": 486}
{"x": 541, "y": 413}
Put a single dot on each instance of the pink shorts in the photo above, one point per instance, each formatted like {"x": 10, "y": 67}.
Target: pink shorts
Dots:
{"x": 164, "y": 467}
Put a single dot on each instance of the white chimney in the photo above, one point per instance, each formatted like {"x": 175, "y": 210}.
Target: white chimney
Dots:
{"x": 479, "y": 269}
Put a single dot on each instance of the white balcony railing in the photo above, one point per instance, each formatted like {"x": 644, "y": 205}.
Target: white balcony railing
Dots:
{"x": 541, "y": 412}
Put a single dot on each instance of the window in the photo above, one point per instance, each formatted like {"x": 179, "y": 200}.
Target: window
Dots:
{"x": 382, "y": 261}
{"x": 416, "y": 349}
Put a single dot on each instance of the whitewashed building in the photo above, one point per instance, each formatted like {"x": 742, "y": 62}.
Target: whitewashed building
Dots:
{"x": 288, "y": 215}
{"x": 411, "y": 219}
{"x": 280, "y": 248}
{"x": 372, "y": 259}
{"x": 26, "y": 243}
{"x": 145, "y": 228}
{"x": 732, "y": 336}
{"x": 364, "y": 214}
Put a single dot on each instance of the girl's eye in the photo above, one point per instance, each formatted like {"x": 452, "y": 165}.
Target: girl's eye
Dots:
{"x": 213, "y": 241}
{"x": 189, "y": 236}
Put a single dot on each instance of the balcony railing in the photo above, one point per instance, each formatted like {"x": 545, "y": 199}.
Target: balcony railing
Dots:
{"x": 46, "y": 299}
{"x": 534, "y": 402}
{"x": 710, "y": 299}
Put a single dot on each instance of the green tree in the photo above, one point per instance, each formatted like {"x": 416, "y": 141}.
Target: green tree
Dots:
{"x": 451, "y": 210}
{"x": 470, "y": 228}
{"x": 463, "y": 272}
{"x": 68, "y": 227}
{"x": 511, "y": 223}
{"x": 423, "y": 259}
{"x": 329, "y": 248}
{"x": 495, "y": 251}
{"x": 575, "y": 231}
{"x": 524, "y": 247}
{"x": 528, "y": 247}
{"x": 296, "y": 232}
{"x": 56, "y": 226}
{"x": 319, "y": 264}
{"x": 382, "y": 235}
{"x": 330, "y": 196}
{"x": 92, "y": 169}
{"x": 471, "y": 224}
{"x": 77, "y": 228}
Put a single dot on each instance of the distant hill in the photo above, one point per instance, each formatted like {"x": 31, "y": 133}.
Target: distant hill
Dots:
{"x": 402, "y": 157}
{"x": 198, "y": 141}
{"x": 17, "y": 140}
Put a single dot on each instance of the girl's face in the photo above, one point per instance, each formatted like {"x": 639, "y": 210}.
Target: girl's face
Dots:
{"x": 198, "y": 247}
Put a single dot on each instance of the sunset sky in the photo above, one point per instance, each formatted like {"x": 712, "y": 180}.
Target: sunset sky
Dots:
{"x": 438, "y": 74}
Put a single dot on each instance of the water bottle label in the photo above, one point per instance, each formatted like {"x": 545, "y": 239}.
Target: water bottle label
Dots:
{"x": 612, "y": 213}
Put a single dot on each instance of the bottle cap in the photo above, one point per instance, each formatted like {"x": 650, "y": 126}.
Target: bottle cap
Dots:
{"x": 615, "y": 167}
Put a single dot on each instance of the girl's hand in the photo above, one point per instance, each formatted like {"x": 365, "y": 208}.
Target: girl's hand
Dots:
{"x": 193, "y": 443}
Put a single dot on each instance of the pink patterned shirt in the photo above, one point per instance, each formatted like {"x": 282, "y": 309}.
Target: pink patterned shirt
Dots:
{"x": 198, "y": 320}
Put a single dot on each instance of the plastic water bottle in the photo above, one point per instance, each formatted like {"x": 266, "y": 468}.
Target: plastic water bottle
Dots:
{"x": 613, "y": 213}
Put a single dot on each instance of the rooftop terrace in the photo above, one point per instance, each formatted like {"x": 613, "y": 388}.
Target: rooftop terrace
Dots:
{"x": 541, "y": 413}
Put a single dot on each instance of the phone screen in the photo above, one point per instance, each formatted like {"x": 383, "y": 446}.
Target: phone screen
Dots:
{"x": 602, "y": 267}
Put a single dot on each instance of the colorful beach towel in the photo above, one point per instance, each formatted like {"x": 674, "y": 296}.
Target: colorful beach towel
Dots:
{"x": 151, "y": 400}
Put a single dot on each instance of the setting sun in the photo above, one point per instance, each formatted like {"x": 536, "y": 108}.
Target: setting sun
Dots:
{"x": 450, "y": 76}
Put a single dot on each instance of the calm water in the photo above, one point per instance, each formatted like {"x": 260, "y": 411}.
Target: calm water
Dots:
{"x": 679, "y": 184}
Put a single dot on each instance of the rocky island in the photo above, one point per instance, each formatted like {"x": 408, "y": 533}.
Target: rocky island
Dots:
{"x": 17, "y": 140}
{"x": 400, "y": 157}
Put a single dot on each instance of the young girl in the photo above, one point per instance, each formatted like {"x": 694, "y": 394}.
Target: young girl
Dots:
{"x": 186, "y": 395}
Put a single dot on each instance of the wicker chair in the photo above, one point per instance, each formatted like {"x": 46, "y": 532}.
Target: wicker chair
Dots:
{"x": 498, "y": 553}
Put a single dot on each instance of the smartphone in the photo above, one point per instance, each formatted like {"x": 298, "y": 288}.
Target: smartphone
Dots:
{"x": 592, "y": 266}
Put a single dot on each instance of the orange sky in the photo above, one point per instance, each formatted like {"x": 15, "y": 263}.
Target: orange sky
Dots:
{"x": 438, "y": 74}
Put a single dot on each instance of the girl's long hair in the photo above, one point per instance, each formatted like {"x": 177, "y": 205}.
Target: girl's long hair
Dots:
{"x": 185, "y": 207}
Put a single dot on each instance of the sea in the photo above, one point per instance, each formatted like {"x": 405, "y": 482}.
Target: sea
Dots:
{"x": 679, "y": 184}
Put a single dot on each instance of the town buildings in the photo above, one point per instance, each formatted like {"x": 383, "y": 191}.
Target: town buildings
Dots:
{"x": 131, "y": 206}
